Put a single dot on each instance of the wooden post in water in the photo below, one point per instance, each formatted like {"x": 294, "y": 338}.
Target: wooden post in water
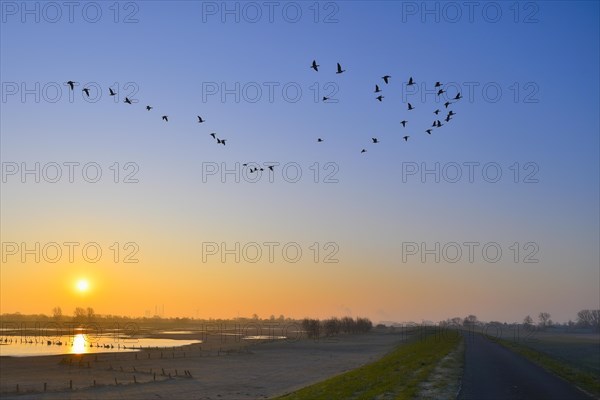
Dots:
{"x": 45, "y": 386}
{"x": 71, "y": 384}
{"x": 17, "y": 388}
{"x": 154, "y": 377}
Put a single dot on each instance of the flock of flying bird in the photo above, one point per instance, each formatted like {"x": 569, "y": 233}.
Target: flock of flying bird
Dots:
{"x": 386, "y": 79}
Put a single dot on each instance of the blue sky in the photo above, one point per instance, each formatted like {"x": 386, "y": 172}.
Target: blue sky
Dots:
{"x": 175, "y": 51}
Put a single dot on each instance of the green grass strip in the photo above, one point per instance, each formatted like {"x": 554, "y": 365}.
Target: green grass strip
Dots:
{"x": 395, "y": 376}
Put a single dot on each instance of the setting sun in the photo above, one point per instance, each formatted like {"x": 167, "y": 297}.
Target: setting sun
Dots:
{"x": 82, "y": 285}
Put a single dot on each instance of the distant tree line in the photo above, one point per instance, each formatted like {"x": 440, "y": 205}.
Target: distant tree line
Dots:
{"x": 315, "y": 328}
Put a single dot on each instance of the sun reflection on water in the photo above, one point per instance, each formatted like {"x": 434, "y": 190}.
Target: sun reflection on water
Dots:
{"x": 78, "y": 344}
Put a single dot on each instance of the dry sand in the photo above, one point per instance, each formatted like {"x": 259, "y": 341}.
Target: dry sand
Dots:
{"x": 230, "y": 370}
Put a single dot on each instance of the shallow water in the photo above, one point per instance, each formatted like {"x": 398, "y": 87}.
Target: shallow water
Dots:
{"x": 17, "y": 346}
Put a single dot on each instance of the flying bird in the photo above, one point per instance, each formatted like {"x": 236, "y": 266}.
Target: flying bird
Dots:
{"x": 410, "y": 107}
{"x": 438, "y": 124}
{"x": 71, "y": 84}
{"x": 438, "y": 84}
{"x": 127, "y": 100}
{"x": 410, "y": 82}
{"x": 363, "y": 151}
{"x": 436, "y": 112}
{"x": 377, "y": 90}
{"x": 111, "y": 92}
{"x": 165, "y": 118}
{"x": 386, "y": 79}
{"x": 86, "y": 91}
{"x": 214, "y": 135}
{"x": 447, "y": 119}
{"x": 339, "y": 69}
{"x": 403, "y": 123}
{"x": 222, "y": 141}
{"x": 446, "y": 104}
{"x": 375, "y": 140}
{"x": 441, "y": 91}
{"x": 405, "y": 138}
{"x": 458, "y": 96}
{"x": 315, "y": 66}
{"x": 451, "y": 113}
{"x": 200, "y": 120}
{"x": 428, "y": 131}
{"x": 270, "y": 167}
{"x": 380, "y": 98}
{"x": 148, "y": 108}
{"x": 325, "y": 98}
{"x": 319, "y": 140}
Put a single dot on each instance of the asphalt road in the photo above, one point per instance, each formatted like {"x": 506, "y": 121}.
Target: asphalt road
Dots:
{"x": 494, "y": 372}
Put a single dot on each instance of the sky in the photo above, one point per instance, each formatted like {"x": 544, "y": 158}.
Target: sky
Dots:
{"x": 496, "y": 213}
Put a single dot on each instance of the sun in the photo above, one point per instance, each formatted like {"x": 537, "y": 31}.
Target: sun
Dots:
{"x": 82, "y": 285}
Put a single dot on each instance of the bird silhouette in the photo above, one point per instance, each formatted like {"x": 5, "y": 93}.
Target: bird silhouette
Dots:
{"x": 325, "y": 98}
{"x": 403, "y": 123}
{"x": 438, "y": 124}
{"x": 438, "y": 84}
{"x": 319, "y": 140}
{"x": 363, "y": 151}
{"x": 377, "y": 90}
{"x": 451, "y": 113}
{"x": 127, "y": 100}
{"x": 446, "y": 104}
{"x": 200, "y": 120}
{"x": 428, "y": 131}
{"x": 148, "y": 108}
{"x": 221, "y": 141}
{"x": 458, "y": 96}
{"x": 71, "y": 84}
{"x": 441, "y": 91}
{"x": 380, "y": 98}
{"x": 436, "y": 112}
{"x": 339, "y": 69}
{"x": 315, "y": 66}
{"x": 405, "y": 138}
{"x": 86, "y": 91}
{"x": 214, "y": 135}
{"x": 375, "y": 140}
{"x": 410, "y": 107}
{"x": 410, "y": 82}
{"x": 165, "y": 118}
{"x": 386, "y": 79}
{"x": 111, "y": 92}
{"x": 270, "y": 167}
{"x": 447, "y": 119}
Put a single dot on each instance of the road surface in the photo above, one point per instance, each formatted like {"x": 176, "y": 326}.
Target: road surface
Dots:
{"x": 494, "y": 372}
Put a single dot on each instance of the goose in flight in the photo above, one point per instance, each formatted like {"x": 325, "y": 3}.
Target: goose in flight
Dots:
{"x": 458, "y": 96}
{"x": 315, "y": 66}
{"x": 428, "y": 131}
{"x": 410, "y": 107}
{"x": 339, "y": 69}
{"x": 405, "y": 138}
{"x": 319, "y": 140}
{"x": 222, "y": 141}
{"x": 375, "y": 140}
{"x": 403, "y": 123}
{"x": 438, "y": 84}
{"x": 165, "y": 118}
{"x": 86, "y": 91}
{"x": 111, "y": 92}
{"x": 386, "y": 79}
{"x": 71, "y": 85}
{"x": 363, "y": 151}
{"x": 446, "y": 104}
{"x": 214, "y": 135}
{"x": 377, "y": 90}
{"x": 200, "y": 120}
{"x": 127, "y": 100}
{"x": 441, "y": 91}
{"x": 380, "y": 98}
{"x": 148, "y": 108}
{"x": 410, "y": 82}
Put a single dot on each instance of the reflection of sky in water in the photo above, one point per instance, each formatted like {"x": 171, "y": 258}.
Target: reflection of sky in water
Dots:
{"x": 19, "y": 346}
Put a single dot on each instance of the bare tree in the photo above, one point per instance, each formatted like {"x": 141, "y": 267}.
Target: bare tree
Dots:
{"x": 90, "y": 313}
{"x": 57, "y": 313}
{"x": 589, "y": 318}
{"x": 528, "y": 321}
{"x": 79, "y": 313}
{"x": 470, "y": 320}
{"x": 544, "y": 319}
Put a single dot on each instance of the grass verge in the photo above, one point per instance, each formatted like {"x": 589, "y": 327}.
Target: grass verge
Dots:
{"x": 397, "y": 375}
